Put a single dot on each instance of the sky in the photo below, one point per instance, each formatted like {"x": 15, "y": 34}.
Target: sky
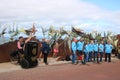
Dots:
{"x": 88, "y": 15}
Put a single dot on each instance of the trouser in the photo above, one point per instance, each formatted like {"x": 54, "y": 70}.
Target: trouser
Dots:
{"x": 74, "y": 57}
{"x": 96, "y": 56}
{"x": 90, "y": 56}
{"x": 108, "y": 57}
{"x": 86, "y": 56}
{"x": 45, "y": 58}
{"x": 20, "y": 54}
{"x": 80, "y": 53}
{"x": 101, "y": 56}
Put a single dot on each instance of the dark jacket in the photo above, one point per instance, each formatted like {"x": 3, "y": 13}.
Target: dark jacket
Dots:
{"x": 45, "y": 48}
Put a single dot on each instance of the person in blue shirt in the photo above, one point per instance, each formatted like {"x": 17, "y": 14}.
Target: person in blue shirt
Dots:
{"x": 96, "y": 51}
{"x": 101, "y": 50}
{"x": 108, "y": 51}
{"x": 86, "y": 52}
{"x": 91, "y": 49}
{"x": 74, "y": 49}
{"x": 80, "y": 45}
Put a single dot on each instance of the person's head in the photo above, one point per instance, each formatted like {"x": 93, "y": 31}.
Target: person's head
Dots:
{"x": 92, "y": 42}
{"x": 81, "y": 39}
{"x": 56, "y": 42}
{"x": 43, "y": 39}
{"x": 47, "y": 41}
{"x": 95, "y": 41}
{"x": 74, "y": 39}
{"x": 108, "y": 42}
{"x": 102, "y": 42}
{"x": 21, "y": 38}
{"x": 87, "y": 42}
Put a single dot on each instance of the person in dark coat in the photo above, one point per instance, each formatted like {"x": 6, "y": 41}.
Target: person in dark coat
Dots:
{"x": 45, "y": 50}
{"x": 40, "y": 55}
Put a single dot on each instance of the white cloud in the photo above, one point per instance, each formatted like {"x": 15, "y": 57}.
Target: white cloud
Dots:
{"x": 56, "y": 12}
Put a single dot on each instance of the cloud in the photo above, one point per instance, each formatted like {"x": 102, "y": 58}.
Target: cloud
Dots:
{"x": 56, "y": 12}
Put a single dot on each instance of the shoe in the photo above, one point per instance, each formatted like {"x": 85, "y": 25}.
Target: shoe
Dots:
{"x": 39, "y": 59}
{"x": 83, "y": 62}
{"x": 74, "y": 63}
{"x": 77, "y": 62}
{"x": 46, "y": 63}
{"x": 98, "y": 62}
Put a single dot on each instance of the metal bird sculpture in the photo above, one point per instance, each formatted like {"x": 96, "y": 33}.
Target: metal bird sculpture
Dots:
{"x": 44, "y": 30}
{"x": 3, "y": 32}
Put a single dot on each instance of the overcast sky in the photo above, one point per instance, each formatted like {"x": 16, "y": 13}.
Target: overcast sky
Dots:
{"x": 89, "y": 15}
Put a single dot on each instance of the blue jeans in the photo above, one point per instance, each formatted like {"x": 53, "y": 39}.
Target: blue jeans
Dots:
{"x": 108, "y": 57}
{"x": 101, "y": 56}
{"x": 96, "y": 56}
{"x": 74, "y": 57}
{"x": 90, "y": 56}
{"x": 86, "y": 56}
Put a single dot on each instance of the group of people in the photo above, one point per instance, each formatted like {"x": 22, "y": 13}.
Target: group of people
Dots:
{"x": 90, "y": 51}
{"x": 45, "y": 48}
{"x": 85, "y": 51}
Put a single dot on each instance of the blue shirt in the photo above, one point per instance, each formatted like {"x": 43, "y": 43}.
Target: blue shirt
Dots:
{"x": 74, "y": 46}
{"x": 86, "y": 48}
{"x": 101, "y": 48}
{"x": 91, "y": 47}
{"x": 96, "y": 47}
{"x": 108, "y": 48}
{"x": 80, "y": 45}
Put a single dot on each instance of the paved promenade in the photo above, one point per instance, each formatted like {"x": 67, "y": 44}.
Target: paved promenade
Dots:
{"x": 62, "y": 70}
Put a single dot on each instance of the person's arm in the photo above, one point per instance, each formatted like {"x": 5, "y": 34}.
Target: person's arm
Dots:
{"x": 28, "y": 39}
{"x": 18, "y": 45}
{"x": 73, "y": 47}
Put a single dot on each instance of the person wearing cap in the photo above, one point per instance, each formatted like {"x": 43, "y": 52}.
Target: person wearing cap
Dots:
{"x": 108, "y": 51}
